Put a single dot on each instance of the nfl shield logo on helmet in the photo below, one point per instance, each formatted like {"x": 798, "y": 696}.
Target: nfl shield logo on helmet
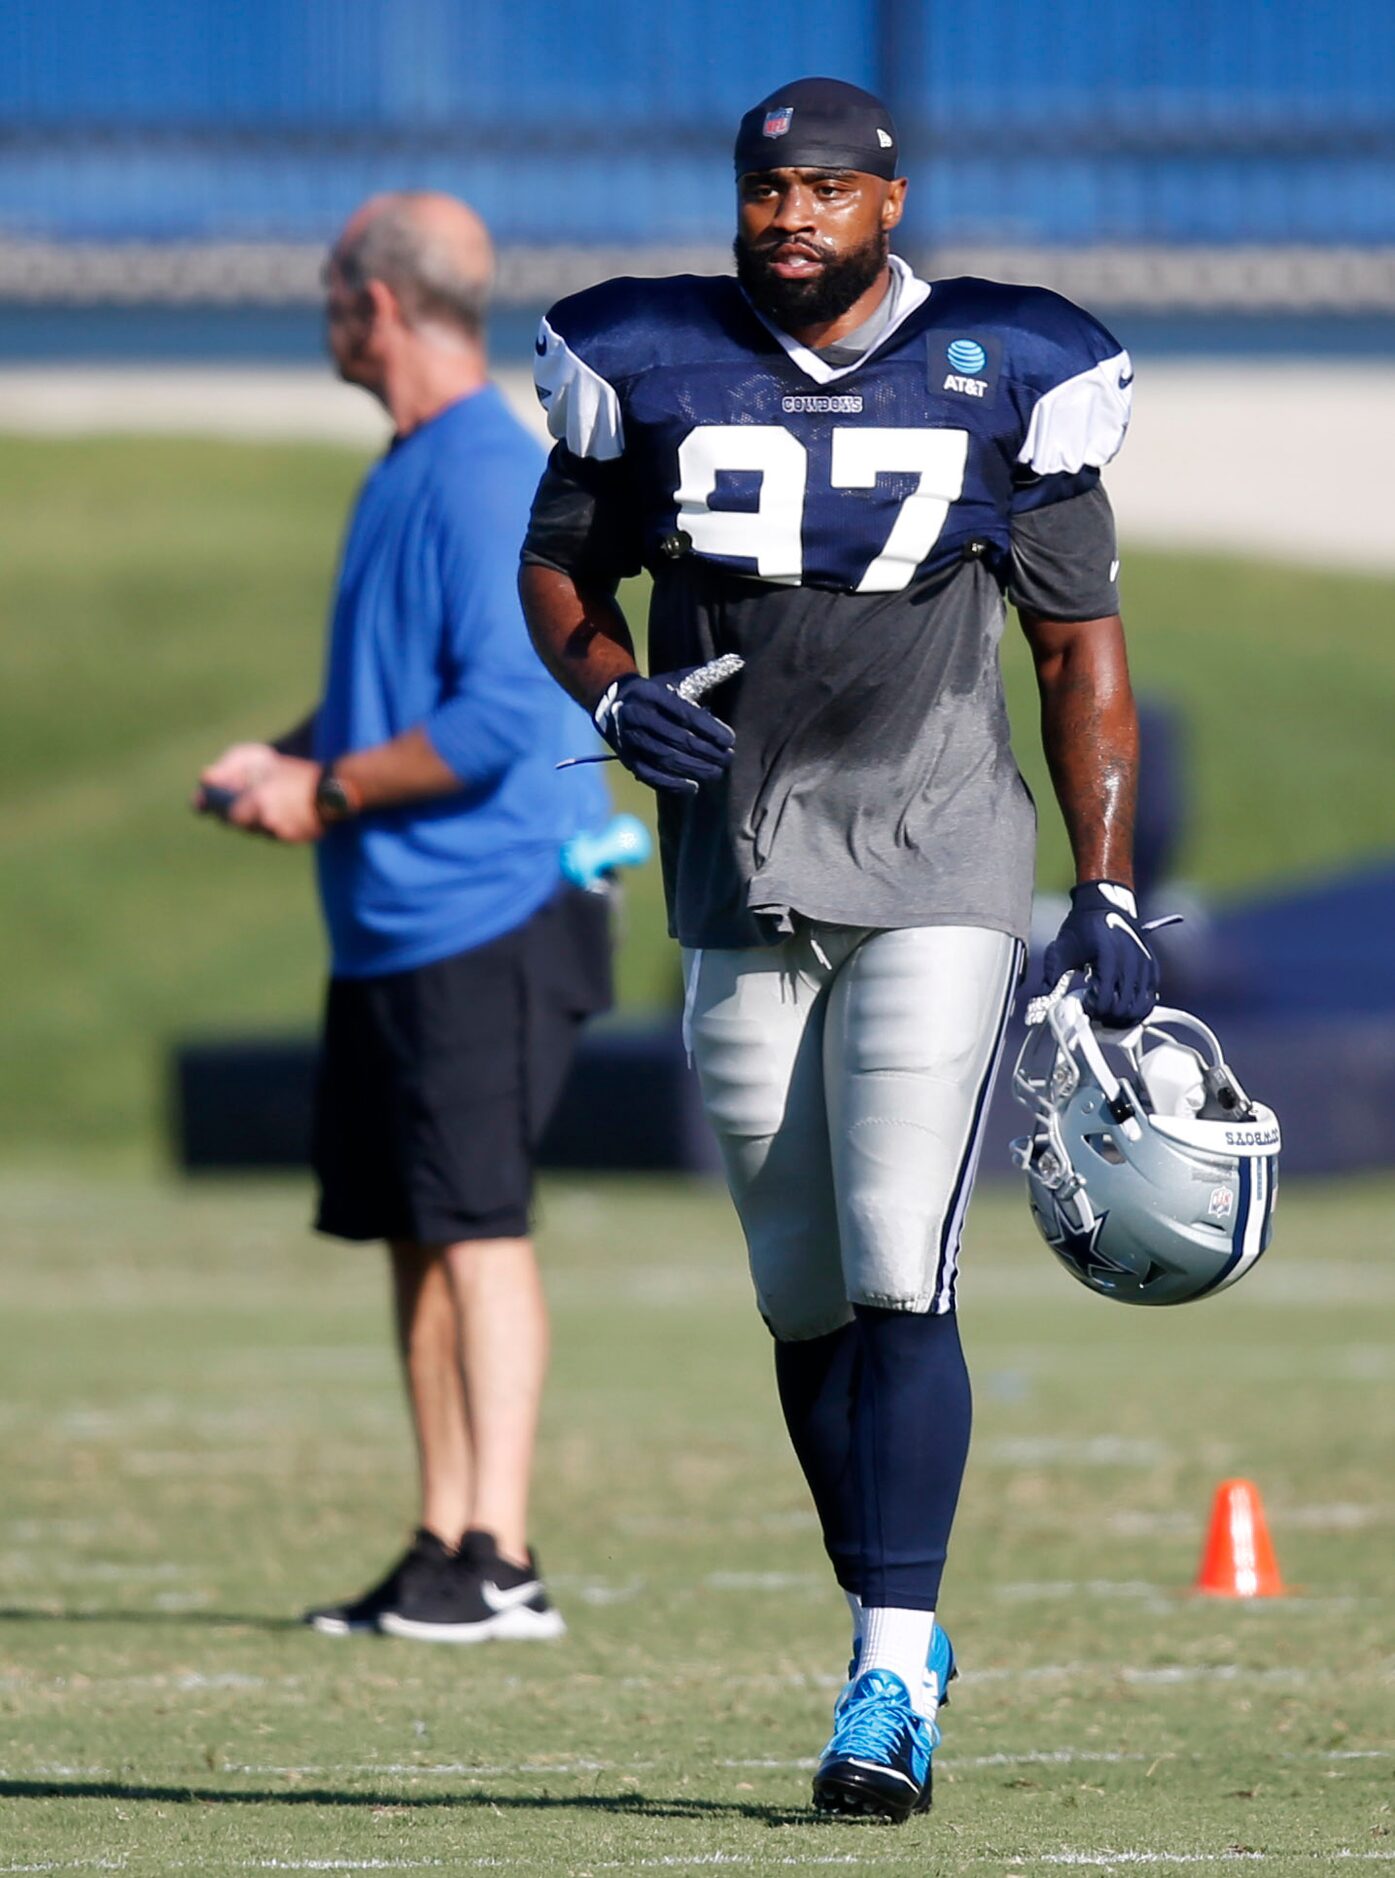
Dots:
{"x": 777, "y": 122}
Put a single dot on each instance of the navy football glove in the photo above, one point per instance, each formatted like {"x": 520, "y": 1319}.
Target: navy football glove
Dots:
{"x": 1102, "y": 935}
{"x": 659, "y": 736}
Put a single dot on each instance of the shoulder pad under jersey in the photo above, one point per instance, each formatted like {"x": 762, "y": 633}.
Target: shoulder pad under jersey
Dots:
{"x": 1077, "y": 378}
{"x": 590, "y": 344}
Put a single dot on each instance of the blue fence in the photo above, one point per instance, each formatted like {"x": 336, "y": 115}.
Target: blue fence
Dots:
{"x": 1082, "y": 122}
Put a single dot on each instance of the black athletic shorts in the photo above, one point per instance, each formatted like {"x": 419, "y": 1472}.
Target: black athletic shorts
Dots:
{"x": 435, "y": 1085}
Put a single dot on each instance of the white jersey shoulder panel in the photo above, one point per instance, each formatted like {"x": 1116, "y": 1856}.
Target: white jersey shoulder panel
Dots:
{"x": 583, "y": 411}
{"x": 1081, "y": 421}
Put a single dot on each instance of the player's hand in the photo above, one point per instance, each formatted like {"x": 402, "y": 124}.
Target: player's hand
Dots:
{"x": 661, "y": 738}
{"x": 1102, "y": 936}
{"x": 240, "y": 765}
{"x": 281, "y": 802}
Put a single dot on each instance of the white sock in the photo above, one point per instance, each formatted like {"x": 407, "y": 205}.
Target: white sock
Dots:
{"x": 899, "y": 1641}
{"x": 855, "y": 1607}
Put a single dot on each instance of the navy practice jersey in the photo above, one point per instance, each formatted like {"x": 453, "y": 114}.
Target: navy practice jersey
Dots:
{"x": 850, "y": 530}
{"x": 777, "y": 464}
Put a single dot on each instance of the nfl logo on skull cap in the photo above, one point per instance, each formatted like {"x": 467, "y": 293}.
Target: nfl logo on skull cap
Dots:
{"x": 777, "y": 122}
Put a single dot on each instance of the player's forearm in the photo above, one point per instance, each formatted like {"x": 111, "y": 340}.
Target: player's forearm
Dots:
{"x": 1089, "y": 729}
{"x": 579, "y": 631}
{"x": 408, "y": 769}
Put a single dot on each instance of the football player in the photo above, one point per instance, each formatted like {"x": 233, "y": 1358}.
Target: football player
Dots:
{"x": 839, "y": 472}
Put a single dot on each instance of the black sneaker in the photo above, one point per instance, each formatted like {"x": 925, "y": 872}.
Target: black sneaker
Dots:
{"x": 425, "y": 1562}
{"x": 479, "y": 1598}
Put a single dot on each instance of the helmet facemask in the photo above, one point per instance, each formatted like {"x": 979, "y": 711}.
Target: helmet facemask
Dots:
{"x": 1150, "y": 1172}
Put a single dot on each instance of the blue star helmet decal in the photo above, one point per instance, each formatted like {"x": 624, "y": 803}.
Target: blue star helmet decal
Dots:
{"x": 1079, "y": 1247}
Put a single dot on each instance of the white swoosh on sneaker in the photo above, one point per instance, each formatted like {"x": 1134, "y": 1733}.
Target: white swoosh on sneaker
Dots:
{"x": 509, "y": 1600}
{"x": 1115, "y": 920}
{"x": 880, "y": 1767}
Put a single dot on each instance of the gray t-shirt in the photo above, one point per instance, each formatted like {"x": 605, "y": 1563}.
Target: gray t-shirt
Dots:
{"x": 873, "y": 782}
{"x": 850, "y": 348}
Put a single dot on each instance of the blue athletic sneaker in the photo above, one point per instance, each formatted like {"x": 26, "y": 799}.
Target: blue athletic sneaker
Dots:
{"x": 940, "y": 1667}
{"x": 878, "y": 1763}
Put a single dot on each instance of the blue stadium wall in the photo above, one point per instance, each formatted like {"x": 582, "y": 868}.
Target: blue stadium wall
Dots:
{"x": 1071, "y": 123}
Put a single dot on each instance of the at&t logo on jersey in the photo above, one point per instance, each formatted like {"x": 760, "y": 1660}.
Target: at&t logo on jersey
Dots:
{"x": 973, "y": 368}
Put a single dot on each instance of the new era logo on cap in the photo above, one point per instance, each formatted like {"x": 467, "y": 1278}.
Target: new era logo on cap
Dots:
{"x": 778, "y": 122}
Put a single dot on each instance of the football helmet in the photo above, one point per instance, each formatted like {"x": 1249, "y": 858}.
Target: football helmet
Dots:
{"x": 1150, "y": 1173}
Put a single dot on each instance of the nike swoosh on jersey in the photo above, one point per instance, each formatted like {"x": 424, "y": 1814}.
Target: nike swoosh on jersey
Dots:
{"x": 1117, "y": 920}
{"x": 540, "y": 345}
{"x": 1113, "y": 570}
{"x": 509, "y": 1600}
{"x": 1124, "y": 383}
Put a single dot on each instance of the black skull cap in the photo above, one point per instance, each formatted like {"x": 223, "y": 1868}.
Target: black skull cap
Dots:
{"x": 818, "y": 124}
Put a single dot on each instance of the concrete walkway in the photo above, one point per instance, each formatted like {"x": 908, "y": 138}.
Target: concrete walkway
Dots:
{"x": 1283, "y": 461}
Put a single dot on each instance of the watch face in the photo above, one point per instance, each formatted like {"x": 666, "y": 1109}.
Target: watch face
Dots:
{"x": 332, "y": 800}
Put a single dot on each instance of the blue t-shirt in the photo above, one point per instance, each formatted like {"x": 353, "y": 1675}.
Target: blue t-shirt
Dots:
{"x": 427, "y": 630}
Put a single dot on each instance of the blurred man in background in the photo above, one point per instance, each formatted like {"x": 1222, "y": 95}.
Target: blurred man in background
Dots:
{"x": 461, "y": 966}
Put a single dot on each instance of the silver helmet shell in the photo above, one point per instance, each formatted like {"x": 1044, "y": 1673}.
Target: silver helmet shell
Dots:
{"x": 1150, "y": 1173}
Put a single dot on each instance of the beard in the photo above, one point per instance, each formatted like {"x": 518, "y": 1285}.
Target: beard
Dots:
{"x": 842, "y": 280}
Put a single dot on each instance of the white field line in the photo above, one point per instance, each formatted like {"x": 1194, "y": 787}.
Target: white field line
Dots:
{"x": 1334, "y": 1287}
{"x": 1343, "y": 1516}
{"x": 187, "y": 1682}
{"x": 457, "y": 1770}
{"x": 675, "y": 1861}
{"x": 71, "y": 1864}
{"x": 1149, "y": 1595}
{"x": 1062, "y": 1451}
{"x": 76, "y": 1571}
{"x": 1070, "y": 1757}
{"x": 258, "y": 1463}
{"x": 1333, "y": 1284}
{"x": 1096, "y": 1861}
{"x": 597, "y": 1591}
{"x": 668, "y": 1526}
{"x": 764, "y": 1581}
{"x": 1110, "y": 1589}
{"x": 1046, "y": 1757}
{"x": 581, "y": 1768}
{"x": 1162, "y": 1676}
{"x": 1111, "y": 1861}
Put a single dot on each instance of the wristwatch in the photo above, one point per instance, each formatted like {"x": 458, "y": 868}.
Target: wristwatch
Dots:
{"x": 336, "y": 800}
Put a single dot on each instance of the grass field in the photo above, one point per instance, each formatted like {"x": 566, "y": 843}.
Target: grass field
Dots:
{"x": 199, "y": 1420}
{"x": 163, "y": 597}
{"x": 200, "y": 1431}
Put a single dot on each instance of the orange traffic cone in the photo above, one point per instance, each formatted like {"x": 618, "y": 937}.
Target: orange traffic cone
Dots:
{"x": 1239, "y": 1560}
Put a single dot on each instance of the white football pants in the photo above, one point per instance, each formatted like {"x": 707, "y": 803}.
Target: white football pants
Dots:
{"x": 846, "y": 1073}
